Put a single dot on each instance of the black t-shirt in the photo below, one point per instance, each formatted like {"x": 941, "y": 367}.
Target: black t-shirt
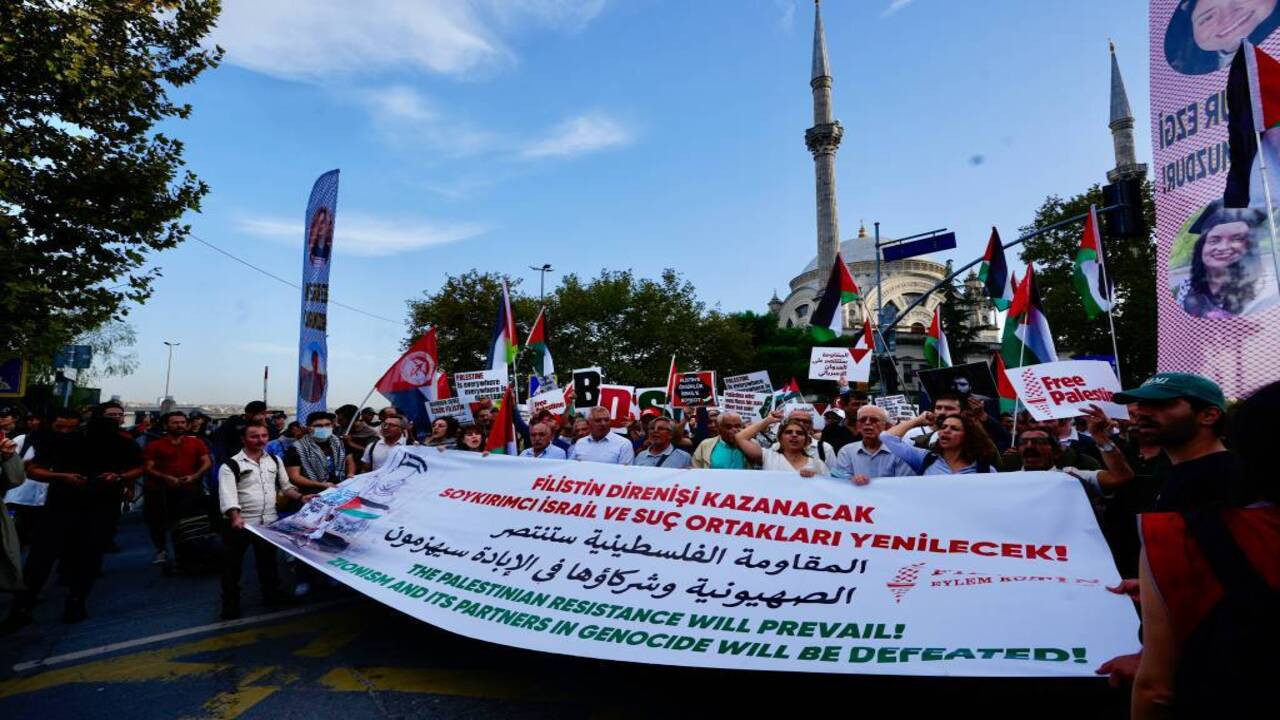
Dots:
{"x": 837, "y": 436}
{"x": 1212, "y": 482}
{"x": 90, "y": 455}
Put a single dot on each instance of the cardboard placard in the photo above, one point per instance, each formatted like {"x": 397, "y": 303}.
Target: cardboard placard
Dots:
{"x": 834, "y": 363}
{"x": 552, "y": 400}
{"x": 651, "y": 397}
{"x": 752, "y": 406}
{"x": 694, "y": 388}
{"x": 757, "y": 382}
{"x": 480, "y": 385}
{"x": 452, "y": 407}
{"x": 618, "y": 400}
{"x": 586, "y": 388}
{"x": 1060, "y": 389}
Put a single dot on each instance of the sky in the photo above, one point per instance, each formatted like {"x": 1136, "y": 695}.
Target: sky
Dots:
{"x": 593, "y": 134}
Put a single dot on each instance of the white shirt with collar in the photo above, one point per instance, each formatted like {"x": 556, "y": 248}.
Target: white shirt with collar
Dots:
{"x": 612, "y": 448}
{"x": 551, "y": 452}
{"x": 378, "y": 452}
{"x": 254, "y": 492}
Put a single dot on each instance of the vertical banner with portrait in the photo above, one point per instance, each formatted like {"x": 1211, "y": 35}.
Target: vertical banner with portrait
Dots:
{"x": 1218, "y": 301}
{"x": 317, "y": 251}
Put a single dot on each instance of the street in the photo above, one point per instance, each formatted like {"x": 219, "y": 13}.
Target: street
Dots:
{"x": 153, "y": 647}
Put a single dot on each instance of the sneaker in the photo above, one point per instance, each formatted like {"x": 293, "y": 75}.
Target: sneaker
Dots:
{"x": 75, "y": 611}
{"x": 301, "y": 589}
{"x": 161, "y": 557}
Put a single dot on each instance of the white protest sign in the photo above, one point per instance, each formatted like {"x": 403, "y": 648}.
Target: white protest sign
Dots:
{"x": 757, "y": 382}
{"x": 1000, "y": 575}
{"x": 752, "y": 406}
{"x": 451, "y": 407}
{"x": 897, "y": 407}
{"x": 1061, "y": 389}
{"x": 833, "y": 363}
{"x": 480, "y": 385}
{"x": 551, "y": 400}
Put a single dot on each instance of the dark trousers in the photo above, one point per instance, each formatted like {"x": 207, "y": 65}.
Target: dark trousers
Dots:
{"x": 76, "y": 537}
{"x": 156, "y": 513}
{"x": 234, "y": 545}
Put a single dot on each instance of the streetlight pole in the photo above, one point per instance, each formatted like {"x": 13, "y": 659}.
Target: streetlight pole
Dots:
{"x": 542, "y": 278}
{"x": 168, "y": 368}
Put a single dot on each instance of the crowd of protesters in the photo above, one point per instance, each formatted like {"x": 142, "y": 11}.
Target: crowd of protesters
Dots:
{"x": 1203, "y": 564}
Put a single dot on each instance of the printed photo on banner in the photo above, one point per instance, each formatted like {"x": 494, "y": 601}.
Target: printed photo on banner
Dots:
{"x": 695, "y": 388}
{"x": 1220, "y": 265}
{"x": 972, "y": 379}
{"x": 1062, "y": 389}
{"x": 1202, "y": 35}
{"x": 313, "y": 378}
{"x": 750, "y": 382}
{"x": 834, "y": 363}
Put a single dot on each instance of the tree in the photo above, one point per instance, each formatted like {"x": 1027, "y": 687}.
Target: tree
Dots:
{"x": 88, "y": 187}
{"x": 783, "y": 352}
{"x": 627, "y": 325}
{"x": 1131, "y": 264}
{"x": 959, "y": 308}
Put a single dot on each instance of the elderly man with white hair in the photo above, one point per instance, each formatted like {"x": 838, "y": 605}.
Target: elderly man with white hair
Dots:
{"x": 720, "y": 451}
{"x": 868, "y": 458}
{"x": 601, "y": 445}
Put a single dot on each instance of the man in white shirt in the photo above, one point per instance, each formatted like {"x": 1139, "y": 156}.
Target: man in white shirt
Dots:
{"x": 392, "y": 434}
{"x": 540, "y": 436}
{"x": 661, "y": 453}
{"x": 601, "y": 445}
{"x": 247, "y": 487}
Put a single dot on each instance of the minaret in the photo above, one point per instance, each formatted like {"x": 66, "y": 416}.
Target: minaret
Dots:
{"x": 1127, "y": 165}
{"x": 823, "y": 139}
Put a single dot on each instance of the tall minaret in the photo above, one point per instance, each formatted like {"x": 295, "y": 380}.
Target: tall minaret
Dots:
{"x": 823, "y": 139}
{"x": 1127, "y": 165}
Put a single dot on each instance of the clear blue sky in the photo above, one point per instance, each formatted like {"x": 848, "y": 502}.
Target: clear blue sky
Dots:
{"x": 642, "y": 134}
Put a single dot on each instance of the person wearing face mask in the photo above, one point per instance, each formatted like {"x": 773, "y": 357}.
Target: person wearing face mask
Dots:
{"x": 318, "y": 461}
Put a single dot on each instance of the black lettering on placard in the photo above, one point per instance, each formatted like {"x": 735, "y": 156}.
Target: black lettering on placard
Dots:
{"x": 316, "y": 321}
{"x": 317, "y": 292}
{"x": 586, "y": 388}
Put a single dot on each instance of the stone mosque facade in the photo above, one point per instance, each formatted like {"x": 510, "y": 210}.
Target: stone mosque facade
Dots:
{"x": 902, "y": 281}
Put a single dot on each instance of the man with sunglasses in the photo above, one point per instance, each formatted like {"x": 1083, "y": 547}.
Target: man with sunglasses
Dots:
{"x": 868, "y": 457}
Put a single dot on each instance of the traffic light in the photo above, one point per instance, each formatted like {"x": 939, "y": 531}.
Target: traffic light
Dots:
{"x": 1127, "y": 221}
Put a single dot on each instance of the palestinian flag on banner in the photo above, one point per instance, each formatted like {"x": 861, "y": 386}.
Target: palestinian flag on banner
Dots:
{"x": 503, "y": 346}
{"x": 936, "y": 351}
{"x": 502, "y": 437}
{"x": 537, "y": 341}
{"x": 1253, "y": 106}
{"x": 1090, "y": 269}
{"x": 1004, "y": 388}
{"x": 827, "y": 321}
{"x": 994, "y": 273}
{"x": 358, "y": 507}
{"x": 1032, "y": 341}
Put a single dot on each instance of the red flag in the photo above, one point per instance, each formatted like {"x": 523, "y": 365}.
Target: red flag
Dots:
{"x": 1004, "y": 388}
{"x": 415, "y": 369}
{"x": 502, "y": 437}
{"x": 442, "y": 386}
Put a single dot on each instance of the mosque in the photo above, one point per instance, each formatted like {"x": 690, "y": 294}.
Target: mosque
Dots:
{"x": 902, "y": 281}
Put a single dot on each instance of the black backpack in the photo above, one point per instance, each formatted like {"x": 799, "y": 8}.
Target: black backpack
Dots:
{"x": 1228, "y": 665}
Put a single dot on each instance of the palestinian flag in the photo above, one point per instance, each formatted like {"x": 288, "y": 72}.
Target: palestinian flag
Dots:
{"x": 503, "y": 346}
{"x": 1032, "y": 340}
{"x": 1004, "y": 388}
{"x": 936, "y": 352}
{"x": 502, "y": 437}
{"x": 1090, "y": 270}
{"x": 827, "y": 321}
{"x": 673, "y": 375}
{"x": 789, "y": 393}
{"x": 537, "y": 341}
{"x": 358, "y": 507}
{"x": 1253, "y": 105}
{"x": 994, "y": 273}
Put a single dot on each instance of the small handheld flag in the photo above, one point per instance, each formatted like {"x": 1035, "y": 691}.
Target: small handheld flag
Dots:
{"x": 1088, "y": 276}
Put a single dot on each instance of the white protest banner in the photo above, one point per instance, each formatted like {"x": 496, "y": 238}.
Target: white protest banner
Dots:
{"x": 1001, "y": 575}
{"x": 833, "y": 363}
{"x": 897, "y": 407}
{"x": 758, "y": 382}
{"x": 1061, "y": 389}
{"x": 818, "y": 421}
{"x": 552, "y": 400}
{"x": 752, "y": 406}
{"x": 480, "y": 385}
{"x": 586, "y": 388}
{"x": 452, "y": 407}
{"x": 697, "y": 387}
{"x": 618, "y": 399}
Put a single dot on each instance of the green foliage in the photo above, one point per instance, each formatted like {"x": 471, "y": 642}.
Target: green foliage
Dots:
{"x": 1131, "y": 264}
{"x": 959, "y": 306}
{"x": 627, "y": 325}
{"x": 784, "y": 352}
{"x": 88, "y": 187}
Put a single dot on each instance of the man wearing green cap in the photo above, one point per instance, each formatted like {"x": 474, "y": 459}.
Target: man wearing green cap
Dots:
{"x": 1184, "y": 415}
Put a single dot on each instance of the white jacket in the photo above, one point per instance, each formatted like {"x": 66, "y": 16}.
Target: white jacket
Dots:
{"x": 254, "y": 492}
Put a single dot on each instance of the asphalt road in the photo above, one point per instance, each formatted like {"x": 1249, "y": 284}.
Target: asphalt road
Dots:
{"x": 153, "y": 647}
